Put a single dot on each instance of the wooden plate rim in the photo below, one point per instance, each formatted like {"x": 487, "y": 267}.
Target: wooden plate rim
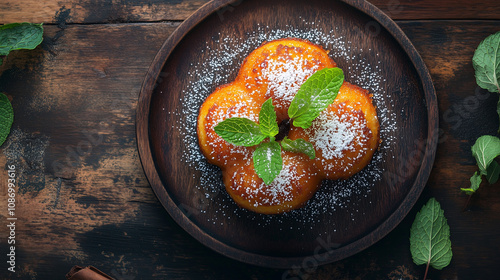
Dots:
{"x": 144, "y": 148}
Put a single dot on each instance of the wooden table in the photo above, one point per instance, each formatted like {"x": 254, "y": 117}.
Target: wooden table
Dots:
{"x": 82, "y": 195}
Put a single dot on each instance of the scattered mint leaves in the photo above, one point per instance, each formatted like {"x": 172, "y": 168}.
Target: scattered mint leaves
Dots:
{"x": 6, "y": 117}
{"x": 240, "y": 131}
{"x": 486, "y": 62}
{"x": 298, "y": 146}
{"x": 267, "y": 161}
{"x": 475, "y": 182}
{"x": 315, "y": 95}
{"x": 430, "y": 242}
{"x": 485, "y": 149}
{"x": 16, "y": 36}
{"x": 493, "y": 172}
{"x": 267, "y": 119}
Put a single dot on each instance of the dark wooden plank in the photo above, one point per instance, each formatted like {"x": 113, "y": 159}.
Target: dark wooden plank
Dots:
{"x": 439, "y": 9}
{"x": 73, "y": 140}
{"x": 95, "y": 11}
{"x": 101, "y": 211}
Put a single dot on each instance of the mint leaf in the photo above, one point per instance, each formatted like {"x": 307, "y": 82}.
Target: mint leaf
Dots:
{"x": 298, "y": 146}
{"x": 240, "y": 131}
{"x": 315, "y": 95}
{"x": 498, "y": 113}
{"x": 475, "y": 182}
{"x": 492, "y": 172}
{"x": 267, "y": 119}
{"x": 486, "y": 62}
{"x": 16, "y": 36}
{"x": 485, "y": 149}
{"x": 267, "y": 161}
{"x": 6, "y": 117}
{"x": 430, "y": 237}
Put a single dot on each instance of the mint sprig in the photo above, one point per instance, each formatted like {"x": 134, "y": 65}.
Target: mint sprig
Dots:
{"x": 430, "y": 242}
{"x": 485, "y": 150}
{"x": 16, "y": 36}
{"x": 475, "y": 182}
{"x": 486, "y": 63}
{"x": 314, "y": 96}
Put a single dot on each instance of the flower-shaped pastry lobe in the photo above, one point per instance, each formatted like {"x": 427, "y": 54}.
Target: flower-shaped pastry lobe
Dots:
{"x": 344, "y": 136}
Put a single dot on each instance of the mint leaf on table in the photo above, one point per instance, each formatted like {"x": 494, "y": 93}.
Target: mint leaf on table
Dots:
{"x": 267, "y": 161}
{"x": 430, "y": 242}
{"x": 240, "y": 131}
{"x": 16, "y": 36}
{"x": 6, "y": 117}
{"x": 493, "y": 172}
{"x": 267, "y": 119}
{"x": 298, "y": 146}
{"x": 315, "y": 95}
{"x": 486, "y": 62}
{"x": 475, "y": 182}
{"x": 485, "y": 149}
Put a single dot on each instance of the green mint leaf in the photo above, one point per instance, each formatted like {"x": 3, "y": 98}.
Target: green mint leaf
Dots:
{"x": 486, "y": 62}
{"x": 16, "y": 36}
{"x": 430, "y": 242}
{"x": 492, "y": 172}
{"x": 485, "y": 149}
{"x": 240, "y": 131}
{"x": 315, "y": 95}
{"x": 267, "y": 161}
{"x": 498, "y": 113}
{"x": 475, "y": 182}
{"x": 6, "y": 117}
{"x": 267, "y": 119}
{"x": 298, "y": 146}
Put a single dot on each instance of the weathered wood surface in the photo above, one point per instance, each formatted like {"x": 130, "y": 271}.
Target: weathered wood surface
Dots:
{"x": 96, "y": 11}
{"x": 83, "y": 198}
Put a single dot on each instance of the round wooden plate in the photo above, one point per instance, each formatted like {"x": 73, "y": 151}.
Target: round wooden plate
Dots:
{"x": 344, "y": 217}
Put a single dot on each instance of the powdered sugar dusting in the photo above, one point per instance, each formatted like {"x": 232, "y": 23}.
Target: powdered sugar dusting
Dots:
{"x": 223, "y": 62}
{"x": 286, "y": 76}
{"x": 334, "y": 134}
{"x": 280, "y": 190}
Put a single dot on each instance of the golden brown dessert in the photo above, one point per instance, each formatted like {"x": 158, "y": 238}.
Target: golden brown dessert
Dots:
{"x": 344, "y": 136}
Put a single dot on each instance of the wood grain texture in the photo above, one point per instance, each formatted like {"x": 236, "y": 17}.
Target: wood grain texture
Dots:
{"x": 73, "y": 138}
{"x": 100, "y": 210}
{"x": 95, "y": 11}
